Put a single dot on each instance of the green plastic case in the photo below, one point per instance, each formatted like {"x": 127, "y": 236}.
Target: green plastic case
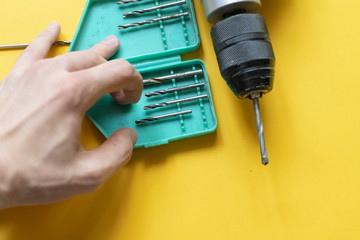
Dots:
{"x": 154, "y": 49}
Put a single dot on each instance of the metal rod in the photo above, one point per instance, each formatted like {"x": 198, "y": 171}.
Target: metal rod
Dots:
{"x": 259, "y": 125}
{"x": 163, "y": 104}
{"x": 127, "y": 1}
{"x": 176, "y": 76}
{"x": 151, "y": 9}
{"x": 171, "y": 90}
{"x": 151, "y": 119}
{"x": 24, "y": 45}
{"x": 166, "y": 18}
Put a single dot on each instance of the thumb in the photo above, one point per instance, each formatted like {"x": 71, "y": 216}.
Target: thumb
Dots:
{"x": 115, "y": 152}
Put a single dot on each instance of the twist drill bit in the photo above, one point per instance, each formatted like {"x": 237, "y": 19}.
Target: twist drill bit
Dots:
{"x": 259, "y": 125}
{"x": 164, "y": 104}
{"x": 151, "y": 9}
{"x": 166, "y": 18}
{"x": 151, "y": 119}
{"x": 24, "y": 45}
{"x": 127, "y": 1}
{"x": 171, "y": 90}
{"x": 176, "y": 76}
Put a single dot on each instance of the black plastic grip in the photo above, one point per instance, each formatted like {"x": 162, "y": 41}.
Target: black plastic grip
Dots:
{"x": 245, "y": 54}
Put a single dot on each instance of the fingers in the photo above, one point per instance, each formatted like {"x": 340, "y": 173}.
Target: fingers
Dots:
{"x": 40, "y": 46}
{"x": 95, "y": 166}
{"x": 97, "y": 55}
{"x": 114, "y": 76}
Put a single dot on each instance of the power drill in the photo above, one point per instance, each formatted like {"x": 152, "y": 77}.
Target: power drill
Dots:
{"x": 244, "y": 52}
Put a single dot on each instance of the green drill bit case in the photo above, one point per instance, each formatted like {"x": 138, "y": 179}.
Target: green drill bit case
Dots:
{"x": 154, "y": 49}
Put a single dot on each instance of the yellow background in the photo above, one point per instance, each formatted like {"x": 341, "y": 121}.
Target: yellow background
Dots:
{"x": 214, "y": 186}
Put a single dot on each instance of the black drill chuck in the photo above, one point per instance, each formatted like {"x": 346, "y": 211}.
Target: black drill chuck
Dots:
{"x": 244, "y": 53}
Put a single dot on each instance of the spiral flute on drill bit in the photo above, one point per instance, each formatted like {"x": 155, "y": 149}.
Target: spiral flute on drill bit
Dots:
{"x": 171, "y": 90}
{"x": 164, "y": 104}
{"x": 175, "y": 76}
{"x": 127, "y": 1}
{"x": 152, "y": 119}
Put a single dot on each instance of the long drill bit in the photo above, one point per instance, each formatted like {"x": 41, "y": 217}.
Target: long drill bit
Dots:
{"x": 127, "y": 1}
{"x": 151, "y": 9}
{"x": 176, "y": 76}
{"x": 24, "y": 45}
{"x": 164, "y": 104}
{"x": 171, "y": 90}
{"x": 259, "y": 125}
{"x": 166, "y": 18}
{"x": 151, "y": 119}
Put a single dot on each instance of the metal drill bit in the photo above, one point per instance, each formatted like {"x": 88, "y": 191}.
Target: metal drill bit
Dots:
{"x": 178, "y": 15}
{"x": 163, "y": 104}
{"x": 127, "y": 1}
{"x": 183, "y": 75}
{"x": 151, "y": 119}
{"x": 24, "y": 45}
{"x": 177, "y": 89}
{"x": 151, "y": 9}
{"x": 259, "y": 125}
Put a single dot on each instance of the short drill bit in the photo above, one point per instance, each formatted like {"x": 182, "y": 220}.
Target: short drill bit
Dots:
{"x": 177, "y": 89}
{"x": 151, "y": 9}
{"x": 127, "y": 1}
{"x": 24, "y": 45}
{"x": 151, "y": 119}
{"x": 166, "y": 18}
{"x": 164, "y": 104}
{"x": 183, "y": 75}
{"x": 259, "y": 125}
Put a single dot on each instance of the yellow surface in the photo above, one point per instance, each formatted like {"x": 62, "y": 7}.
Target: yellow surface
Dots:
{"x": 214, "y": 187}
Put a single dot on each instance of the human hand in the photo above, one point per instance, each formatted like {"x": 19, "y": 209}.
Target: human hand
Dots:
{"x": 42, "y": 104}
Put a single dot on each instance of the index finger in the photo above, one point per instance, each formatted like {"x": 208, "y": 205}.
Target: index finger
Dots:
{"x": 40, "y": 46}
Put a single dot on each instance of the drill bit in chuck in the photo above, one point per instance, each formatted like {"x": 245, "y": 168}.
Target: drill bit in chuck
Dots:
{"x": 167, "y": 5}
{"x": 165, "y": 18}
{"x": 260, "y": 129}
{"x": 151, "y": 119}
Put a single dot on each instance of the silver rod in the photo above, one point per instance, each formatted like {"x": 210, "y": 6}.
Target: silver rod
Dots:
{"x": 166, "y": 18}
{"x": 176, "y": 76}
{"x": 127, "y": 1}
{"x": 151, "y": 9}
{"x": 163, "y": 104}
{"x": 176, "y": 89}
{"x": 259, "y": 125}
{"x": 24, "y": 45}
{"x": 151, "y": 119}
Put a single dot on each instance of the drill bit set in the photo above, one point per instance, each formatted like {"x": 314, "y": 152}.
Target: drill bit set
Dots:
{"x": 176, "y": 101}
{"x": 176, "y": 91}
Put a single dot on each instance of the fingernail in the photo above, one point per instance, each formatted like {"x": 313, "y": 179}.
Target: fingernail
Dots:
{"x": 134, "y": 136}
{"x": 53, "y": 25}
{"x": 110, "y": 40}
